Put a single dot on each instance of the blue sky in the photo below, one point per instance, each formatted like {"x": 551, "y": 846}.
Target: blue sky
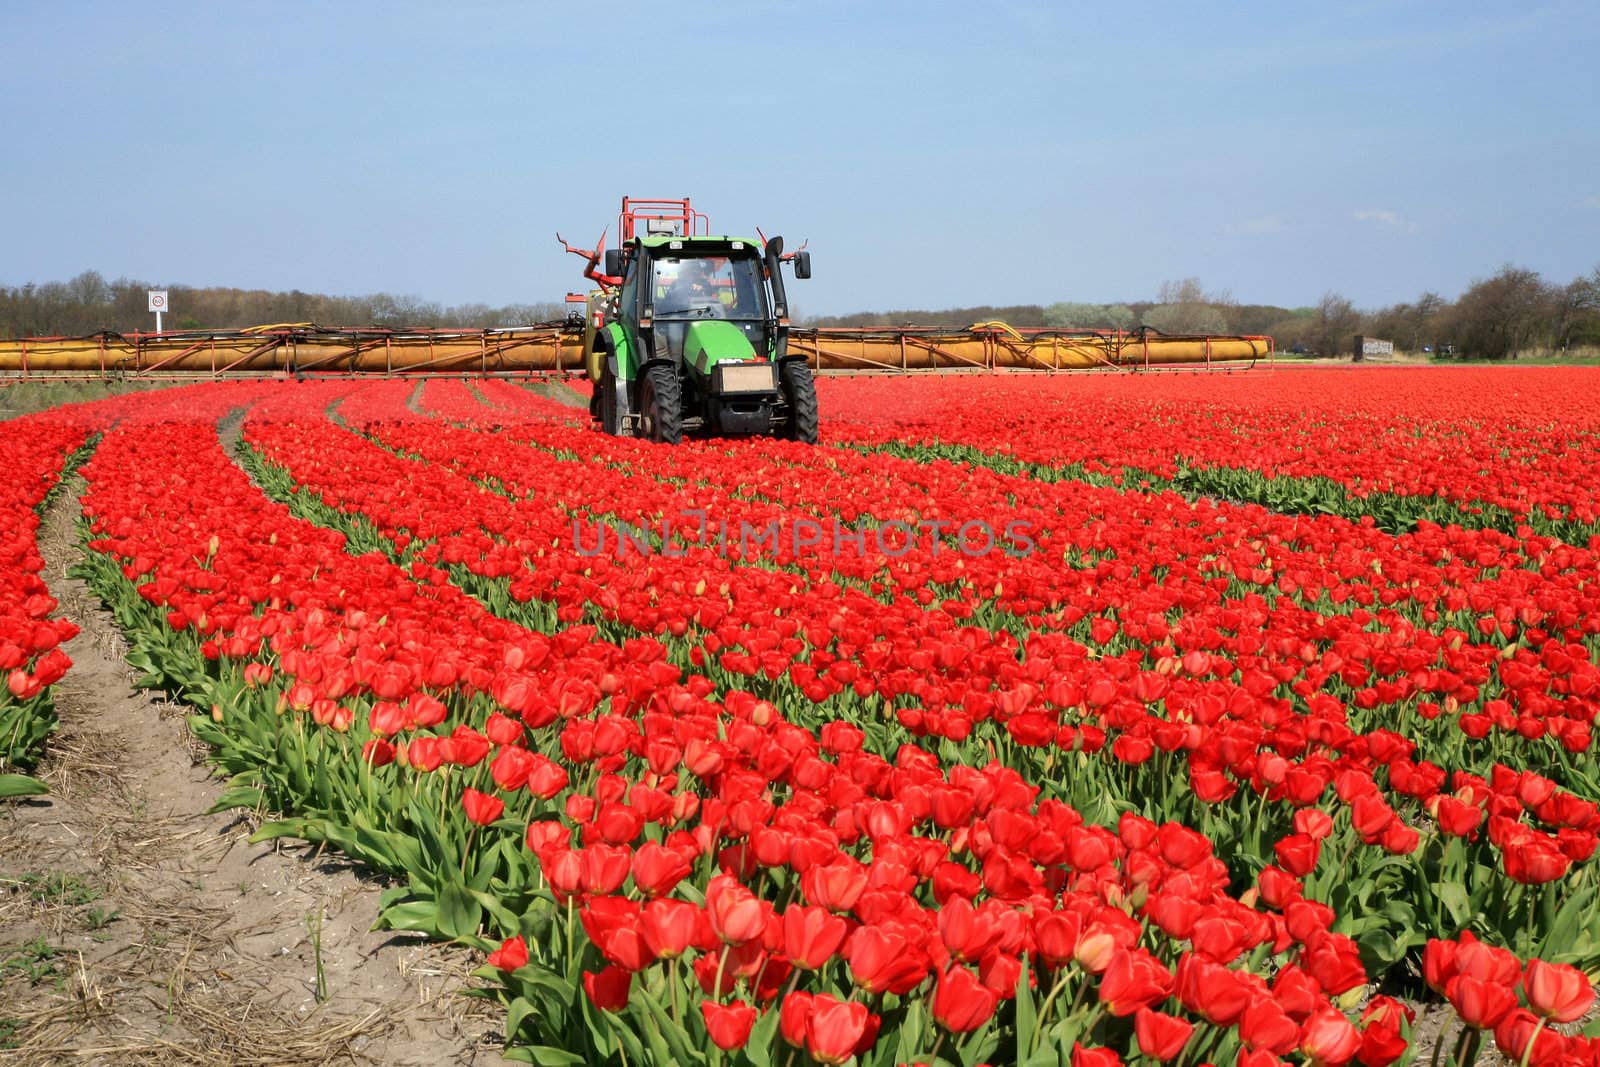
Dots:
{"x": 933, "y": 154}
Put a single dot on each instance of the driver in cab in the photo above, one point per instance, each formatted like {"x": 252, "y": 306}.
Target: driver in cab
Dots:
{"x": 691, "y": 289}
{"x": 692, "y": 294}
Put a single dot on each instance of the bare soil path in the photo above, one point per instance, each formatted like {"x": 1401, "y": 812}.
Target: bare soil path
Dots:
{"x": 137, "y": 929}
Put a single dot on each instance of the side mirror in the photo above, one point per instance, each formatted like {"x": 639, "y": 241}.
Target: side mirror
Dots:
{"x": 802, "y": 264}
{"x": 614, "y": 262}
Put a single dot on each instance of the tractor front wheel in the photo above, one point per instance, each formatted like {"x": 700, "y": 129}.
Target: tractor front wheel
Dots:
{"x": 661, "y": 404}
{"x": 800, "y": 392}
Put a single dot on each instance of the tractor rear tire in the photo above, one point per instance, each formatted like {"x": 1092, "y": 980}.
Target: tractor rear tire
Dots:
{"x": 800, "y": 391}
{"x": 661, "y": 404}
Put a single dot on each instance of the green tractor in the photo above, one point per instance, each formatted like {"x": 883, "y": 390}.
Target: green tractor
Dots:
{"x": 688, "y": 333}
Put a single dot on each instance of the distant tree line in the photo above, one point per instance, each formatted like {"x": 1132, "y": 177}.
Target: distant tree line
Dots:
{"x": 1515, "y": 312}
{"x": 1509, "y": 314}
{"x": 89, "y": 304}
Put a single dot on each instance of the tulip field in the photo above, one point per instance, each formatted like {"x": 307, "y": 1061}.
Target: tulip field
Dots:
{"x": 1233, "y": 719}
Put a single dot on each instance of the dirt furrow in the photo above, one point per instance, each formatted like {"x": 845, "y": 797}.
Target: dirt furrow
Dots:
{"x": 135, "y": 928}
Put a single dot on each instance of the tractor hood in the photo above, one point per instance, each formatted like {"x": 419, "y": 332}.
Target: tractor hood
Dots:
{"x": 709, "y": 342}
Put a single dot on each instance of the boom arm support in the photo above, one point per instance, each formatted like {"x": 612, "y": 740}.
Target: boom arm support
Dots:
{"x": 591, "y": 270}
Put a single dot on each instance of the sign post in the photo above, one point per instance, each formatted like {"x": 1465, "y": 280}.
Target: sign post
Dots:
{"x": 158, "y": 304}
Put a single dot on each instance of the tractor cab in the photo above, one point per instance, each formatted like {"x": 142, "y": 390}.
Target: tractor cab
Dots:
{"x": 688, "y": 332}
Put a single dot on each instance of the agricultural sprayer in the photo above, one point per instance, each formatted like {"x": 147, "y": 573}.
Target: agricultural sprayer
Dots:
{"x": 688, "y": 332}
{"x": 685, "y": 332}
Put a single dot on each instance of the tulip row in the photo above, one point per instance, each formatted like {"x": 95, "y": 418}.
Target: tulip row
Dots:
{"x": 495, "y": 401}
{"x": 1366, "y": 441}
{"x": 40, "y": 452}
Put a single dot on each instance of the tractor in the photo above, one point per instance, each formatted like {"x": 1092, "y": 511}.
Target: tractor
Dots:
{"x": 688, "y": 333}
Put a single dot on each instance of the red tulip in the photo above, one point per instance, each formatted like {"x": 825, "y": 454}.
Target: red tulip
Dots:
{"x": 1517, "y": 1029}
{"x": 717, "y": 980}
{"x": 422, "y": 753}
{"x": 604, "y": 867}
{"x": 1296, "y": 992}
{"x": 1372, "y": 816}
{"x": 1094, "y": 1057}
{"x": 1000, "y": 972}
{"x": 811, "y": 935}
{"x": 608, "y": 990}
{"x": 1212, "y": 991}
{"x": 965, "y": 931}
{"x": 884, "y": 961}
{"x": 736, "y": 915}
{"x": 1329, "y": 1038}
{"x": 1535, "y": 861}
{"x": 1095, "y": 949}
{"x": 1439, "y": 963}
{"x": 961, "y": 1003}
{"x": 618, "y": 824}
{"x": 1457, "y": 817}
{"x": 1220, "y": 939}
{"x": 512, "y": 953}
{"x": 728, "y": 1024}
{"x": 377, "y": 753}
{"x": 614, "y": 924}
{"x": 1279, "y": 889}
{"x": 671, "y": 927}
{"x": 1383, "y": 1040}
{"x": 793, "y": 1015}
{"x": 1480, "y": 1004}
{"x": 1266, "y": 1025}
{"x": 1133, "y": 980}
{"x": 656, "y": 870}
{"x": 510, "y": 768}
{"x": 836, "y": 886}
{"x": 502, "y": 730}
{"x": 1335, "y": 962}
{"x": 1297, "y": 854}
{"x": 1160, "y": 1036}
{"x": 386, "y": 718}
{"x": 1257, "y": 1058}
{"x": 1488, "y": 963}
{"x": 546, "y": 778}
{"x": 1314, "y": 823}
{"x": 481, "y": 808}
{"x": 1055, "y": 935}
{"x": 1557, "y": 991}
{"x": 1182, "y": 847}
{"x": 834, "y": 1029}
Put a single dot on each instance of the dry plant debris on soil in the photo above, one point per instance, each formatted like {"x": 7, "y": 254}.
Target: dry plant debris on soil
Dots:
{"x": 135, "y": 928}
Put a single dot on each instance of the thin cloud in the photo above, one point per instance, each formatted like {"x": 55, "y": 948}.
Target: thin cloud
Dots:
{"x": 1391, "y": 219}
